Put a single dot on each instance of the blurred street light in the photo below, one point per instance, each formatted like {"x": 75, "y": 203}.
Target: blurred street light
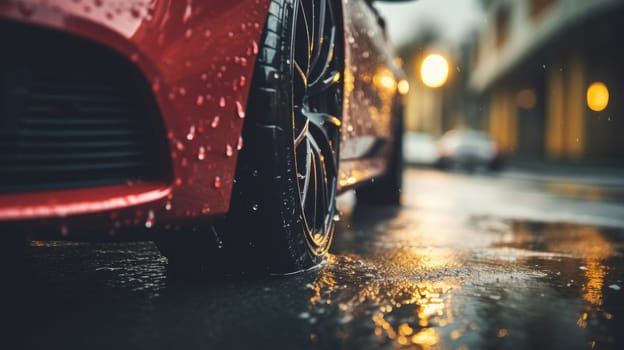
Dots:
{"x": 434, "y": 70}
{"x": 403, "y": 87}
{"x": 597, "y": 96}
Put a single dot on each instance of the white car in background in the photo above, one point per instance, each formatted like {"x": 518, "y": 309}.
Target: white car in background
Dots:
{"x": 420, "y": 148}
{"x": 468, "y": 149}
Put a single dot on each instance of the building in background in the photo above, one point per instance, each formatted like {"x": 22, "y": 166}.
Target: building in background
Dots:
{"x": 551, "y": 75}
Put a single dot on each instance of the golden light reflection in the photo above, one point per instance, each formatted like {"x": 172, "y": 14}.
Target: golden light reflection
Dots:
{"x": 403, "y": 87}
{"x": 403, "y": 312}
{"x": 597, "y": 96}
{"x": 387, "y": 82}
{"x": 434, "y": 70}
{"x": 595, "y": 273}
{"x": 426, "y": 338}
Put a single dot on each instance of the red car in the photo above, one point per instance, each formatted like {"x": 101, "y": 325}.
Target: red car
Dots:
{"x": 223, "y": 130}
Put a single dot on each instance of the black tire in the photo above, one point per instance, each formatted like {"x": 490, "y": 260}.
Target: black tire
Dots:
{"x": 283, "y": 200}
{"x": 386, "y": 190}
{"x": 12, "y": 253}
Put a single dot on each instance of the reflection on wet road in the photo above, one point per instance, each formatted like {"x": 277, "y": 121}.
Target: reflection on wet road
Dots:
{"x": 467, "y": 263}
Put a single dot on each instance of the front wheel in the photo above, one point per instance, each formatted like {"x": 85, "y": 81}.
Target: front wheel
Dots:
{"x": 283, "y": 200}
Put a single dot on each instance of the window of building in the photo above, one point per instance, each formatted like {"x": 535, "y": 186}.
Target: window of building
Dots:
{"x": 538, "y": 7}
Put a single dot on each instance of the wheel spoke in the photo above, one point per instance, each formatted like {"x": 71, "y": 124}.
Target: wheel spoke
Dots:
{"x": 321, "y": 126}
{"x": 306, "y": 180}
{"x": 319, "y": 33}
{"x": 303, "y": 133}
{"x": 301, "y": 73}
{"x": 321, "y": 86}
{"x": 323, "y": 65}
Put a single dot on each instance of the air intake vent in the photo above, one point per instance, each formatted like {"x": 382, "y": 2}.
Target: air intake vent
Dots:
{"x": 73, "y": 114}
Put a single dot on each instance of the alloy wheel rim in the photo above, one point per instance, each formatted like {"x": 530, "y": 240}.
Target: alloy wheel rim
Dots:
{"x": 316, "y": 102}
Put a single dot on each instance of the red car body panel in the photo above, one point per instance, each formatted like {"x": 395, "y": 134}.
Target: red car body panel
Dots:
{"x": 198, "y": 57}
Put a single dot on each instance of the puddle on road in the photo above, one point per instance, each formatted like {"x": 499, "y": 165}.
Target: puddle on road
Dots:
{"x": 468, "y": 283}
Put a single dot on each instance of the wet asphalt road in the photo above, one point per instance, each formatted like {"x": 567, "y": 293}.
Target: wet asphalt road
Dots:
{"x": 513, "y": 261}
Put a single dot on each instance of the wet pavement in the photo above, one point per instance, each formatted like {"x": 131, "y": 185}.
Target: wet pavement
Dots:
{"x": 471, "y": 261}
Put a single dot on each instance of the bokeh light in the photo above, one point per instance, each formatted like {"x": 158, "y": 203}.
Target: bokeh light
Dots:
{"x": 403, "y": 87}
{"x": 597, "y": 96}
{"x": 434, "y": 71}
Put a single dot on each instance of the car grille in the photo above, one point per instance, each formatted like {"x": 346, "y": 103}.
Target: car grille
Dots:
{"x": 73, "y": 114}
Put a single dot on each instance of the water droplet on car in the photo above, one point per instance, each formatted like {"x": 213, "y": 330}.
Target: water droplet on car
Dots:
{"x": 254, "y": 173}
{"x": 239, "y": 144}
{"x": 200, "y": 100}
{"x": 188, "y": 34}
{"x": 191, "y": 133}
{"x": 188, "y": 11}
{"x": 254, "y": 207}
{"x": 184, "y": 162}
{"x": 230, "y": 34}
{"x": 207, "y": 33}
{"x": 204, "y": 77}
{"x": 149, "y": 222}
{"x": 97, "y": 3}
{"x": 182, "y": 91}
{"x": 228, "y": 150}
{"x": 217, "y": 182}
{"x": 240, "y": 110}
{"x": 222, "y": 102}
{"x": 215, "y": 122}
{"x": 242, "y": 81}
{"x": 201, "y": 154}
{"x": 254, "y": 47}
{"x": 168, "y": 205}
{"x": 205, "y": 210}
{"x": 179, "y": 146}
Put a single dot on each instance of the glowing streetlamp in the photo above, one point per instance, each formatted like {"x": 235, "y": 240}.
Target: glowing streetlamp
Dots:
{"x": 597, "y": 96}
{"x": 434, "y": 70}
